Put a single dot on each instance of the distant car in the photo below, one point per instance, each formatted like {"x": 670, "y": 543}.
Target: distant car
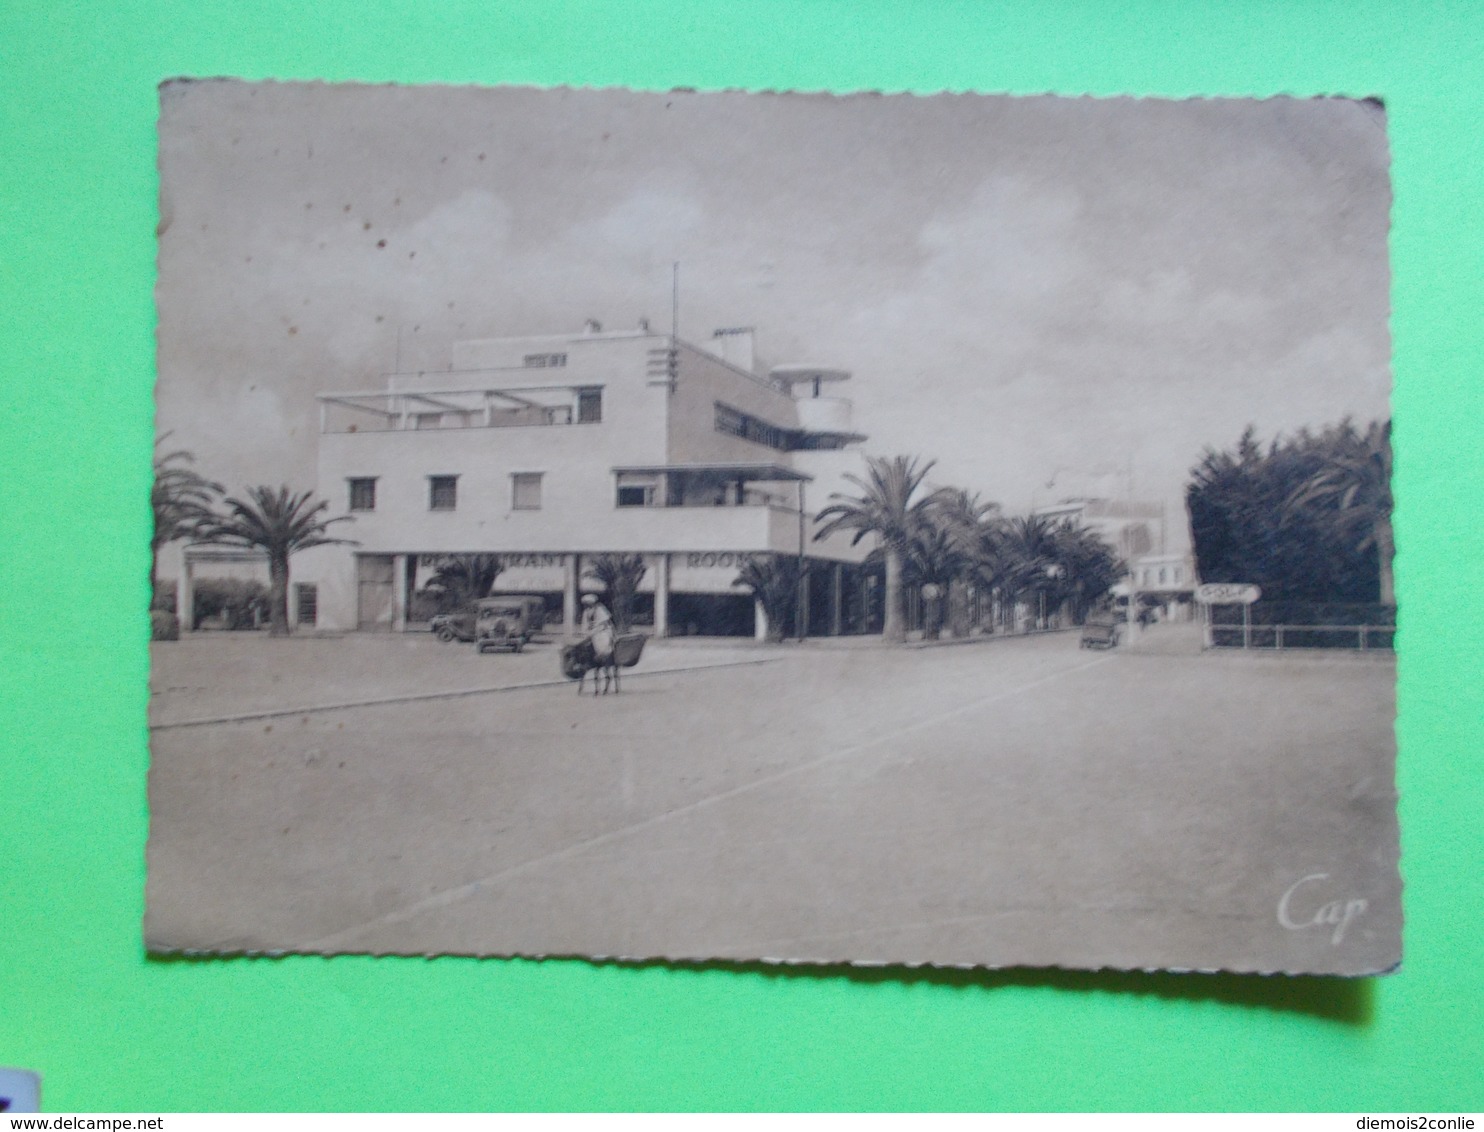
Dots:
{"x": 1100, "y": 632}
{"x": 448, "y": 627}
{"x": 525, "y": 614}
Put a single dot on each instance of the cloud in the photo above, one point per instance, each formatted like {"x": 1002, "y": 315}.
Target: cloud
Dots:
{"x": 1018, "y": 284}
{"x": 649, "y": 221}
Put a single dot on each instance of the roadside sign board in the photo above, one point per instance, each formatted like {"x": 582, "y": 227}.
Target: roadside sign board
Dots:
{"x": 1227, "y": 593}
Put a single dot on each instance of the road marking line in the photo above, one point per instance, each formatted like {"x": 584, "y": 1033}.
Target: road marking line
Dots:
{"x": 450, "y": 896}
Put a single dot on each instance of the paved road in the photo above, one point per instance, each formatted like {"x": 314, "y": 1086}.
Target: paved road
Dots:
{"x": 1014, "y": 802}
{"x": 219, "y": 677}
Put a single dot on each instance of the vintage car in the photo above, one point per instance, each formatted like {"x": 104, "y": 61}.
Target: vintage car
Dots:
{"x": 462, "y": 625}
{"x": 507, "y": 622}
{"x": 453, "y": 626}
{"x": 1101, "y": 631}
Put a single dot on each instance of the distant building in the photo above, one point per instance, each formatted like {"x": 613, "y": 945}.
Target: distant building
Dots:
{"x": 550, "y": 450}
{"x": 1164, "y": 581}
{"x": 1131, "y": 528}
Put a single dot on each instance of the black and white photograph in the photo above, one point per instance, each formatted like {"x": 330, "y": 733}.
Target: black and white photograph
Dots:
{"x": 874, "y": 529}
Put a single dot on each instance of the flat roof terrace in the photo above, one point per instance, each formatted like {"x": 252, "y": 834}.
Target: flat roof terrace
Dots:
{"x": 393, "y": 410}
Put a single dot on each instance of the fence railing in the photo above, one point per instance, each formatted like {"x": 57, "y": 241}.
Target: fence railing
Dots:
{"x": 1361, "y": 638}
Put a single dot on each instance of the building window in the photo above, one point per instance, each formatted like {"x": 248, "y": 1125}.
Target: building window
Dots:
{"x": 589, "y": 406}
{"x": 635, "y": 495}
{"x": 730, "y": 421}
{"x": 544, "y": 361}
{"x": 817, "y": 442}
{"x": 443, "y": 493}
{"x": 363, "y": 493}
{"x": 307, "y": 601}
{"x": 734, "y": 422}
{"x": 525, "y": 491}
{"x": 636, "y": 490}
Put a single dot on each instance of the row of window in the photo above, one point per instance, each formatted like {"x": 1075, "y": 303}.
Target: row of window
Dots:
{"x": 1147, "y": 575}
{"x": 443, "y": 492}
{"x": 588, "y": 409}
{"x": 734, "y": 422}
{"x": 634, "y": 490}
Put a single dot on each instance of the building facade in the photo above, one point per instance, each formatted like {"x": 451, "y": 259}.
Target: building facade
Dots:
{"x": 1133, "y": 529}
{"x": 550, "y": 451}
{"x": 1165, "y": 582}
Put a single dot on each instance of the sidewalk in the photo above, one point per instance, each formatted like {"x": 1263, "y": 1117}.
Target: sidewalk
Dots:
{"x": 915, "y": 640}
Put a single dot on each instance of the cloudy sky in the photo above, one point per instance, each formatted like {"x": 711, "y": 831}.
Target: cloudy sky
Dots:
{"x": 1045, "y": 294}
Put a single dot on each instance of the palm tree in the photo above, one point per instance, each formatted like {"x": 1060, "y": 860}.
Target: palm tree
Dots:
{"x": 620, "y": 575}
{"x": 885, "y": 508}
{"x": 465, "y": 578}
{"x": 182, "y": 500}
{"x": 972, "y": 524}
{"x": 278, "y": 523}
{"x": 1353, "y": 489}
{"x": 933, "y": 558}
{"x": 1030, "y": 562}
{"x": 774, "y": 582}
{"x": 1088, "y": 568}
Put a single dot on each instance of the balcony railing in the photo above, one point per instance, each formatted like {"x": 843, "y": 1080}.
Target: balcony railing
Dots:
{"x": 431, "y": 410}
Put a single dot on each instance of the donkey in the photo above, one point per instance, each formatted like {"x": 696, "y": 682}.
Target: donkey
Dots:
{"x": 580, "y": 658}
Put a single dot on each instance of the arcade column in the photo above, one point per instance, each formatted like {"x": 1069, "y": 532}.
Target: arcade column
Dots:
{"x": 185, "y": 592}
{"x": 837, "y": 600}
{"x": 571, "y": 579}
{"x": 661, "y": 595}
{"x": 399, "y": 593}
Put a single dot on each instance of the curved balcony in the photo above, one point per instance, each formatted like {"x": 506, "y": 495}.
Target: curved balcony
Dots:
{"x": 825, "y": 414}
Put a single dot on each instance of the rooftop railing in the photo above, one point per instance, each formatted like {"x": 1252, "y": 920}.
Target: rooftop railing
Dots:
{"x": 429, "y": 410}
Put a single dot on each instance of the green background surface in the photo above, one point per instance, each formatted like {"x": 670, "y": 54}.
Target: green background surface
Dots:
{"x": 113, "y": 1030}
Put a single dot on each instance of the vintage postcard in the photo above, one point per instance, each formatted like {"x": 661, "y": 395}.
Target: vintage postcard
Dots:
{"x": 873, "y": 529}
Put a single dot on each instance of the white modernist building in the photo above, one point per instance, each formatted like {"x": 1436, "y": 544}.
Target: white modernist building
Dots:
{"x": 551, "y": 450}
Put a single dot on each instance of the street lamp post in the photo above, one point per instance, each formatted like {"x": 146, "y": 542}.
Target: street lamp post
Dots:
{"x": 1053, "y": 572}
{"x": 801, "y": 599}
{"x": 930, "y": 619}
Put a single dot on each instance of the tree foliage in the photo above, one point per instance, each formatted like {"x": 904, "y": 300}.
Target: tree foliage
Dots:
{"x": 1087, "y": 568}
{"x": 182, "y": 500}
{"x": 888, "y": 506}
{"x": 240, "y": 603}
{"x": 1306, "y": 517}
{"x": 280, "y": 523}
{"x": 1351, "y": 495}
{"x": 773, "y": 580}
{"x": 971, "y": 528}
{"x": 953, "y": 539}
{"x": 461, "y": 579}
{"x": 620, "y": 575}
